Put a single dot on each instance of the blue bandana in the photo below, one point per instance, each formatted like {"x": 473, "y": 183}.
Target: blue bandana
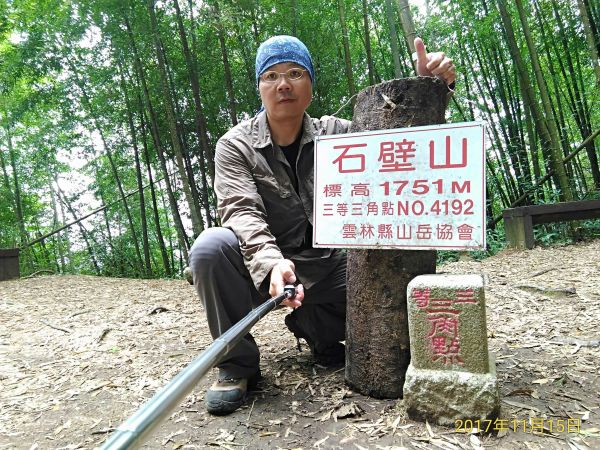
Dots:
{"x": 280, "y": 49}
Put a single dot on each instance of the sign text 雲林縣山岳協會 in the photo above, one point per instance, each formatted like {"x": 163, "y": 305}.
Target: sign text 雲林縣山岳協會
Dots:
{"x": 413, "y": 188}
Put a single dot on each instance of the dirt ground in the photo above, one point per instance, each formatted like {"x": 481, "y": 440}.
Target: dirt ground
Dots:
{"x": 79, "y": 354}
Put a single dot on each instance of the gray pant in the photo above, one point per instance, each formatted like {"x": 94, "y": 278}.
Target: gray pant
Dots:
{"x": 226, "y": 290}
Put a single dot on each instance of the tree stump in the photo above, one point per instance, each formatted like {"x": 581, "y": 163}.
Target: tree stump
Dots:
{"x": 377, "y": 342}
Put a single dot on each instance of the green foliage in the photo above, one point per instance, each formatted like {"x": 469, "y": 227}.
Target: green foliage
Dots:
{"x": 566, "y": 233}
{"x": 495, "y": 242}
{"x": 70, "y": 84}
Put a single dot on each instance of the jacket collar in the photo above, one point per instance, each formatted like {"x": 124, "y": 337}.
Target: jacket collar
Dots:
{"x": 261, "y": 134}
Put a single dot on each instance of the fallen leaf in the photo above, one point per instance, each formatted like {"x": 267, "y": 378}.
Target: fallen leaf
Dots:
{"x": 157, "y": 310}
{"x": 95, "y": 424}
{"x": 326, "y": 416}
{"x": 98, "y": 384}
{"x": 347, "y": 439}
{"x": 224, "y": 435}
{"x": 267, "y": 433}
{"x": 351, "y": 409}
{"x": 320, "y": 442}
{"x": 520, "y": 392}
{"x": 593, "y": 432}
{"x": 520, "y": 405}
{"x": 443, "y": 443}
{"x": 575, "y": 446}
{"x": 429, "y": 430}
{"x": 290, "y": 431}
{"x": 62, "y": 427}
{"x": 475, "y": 442}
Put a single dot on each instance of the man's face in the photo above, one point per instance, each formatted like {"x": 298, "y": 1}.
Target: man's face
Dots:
{"x": 286, "y": 99}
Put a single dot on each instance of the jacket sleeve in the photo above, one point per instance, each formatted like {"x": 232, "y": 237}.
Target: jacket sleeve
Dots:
{"x": 242, "y": 210}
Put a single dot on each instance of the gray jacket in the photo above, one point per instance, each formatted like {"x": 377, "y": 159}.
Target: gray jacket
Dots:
{"x": 257, "y": 200}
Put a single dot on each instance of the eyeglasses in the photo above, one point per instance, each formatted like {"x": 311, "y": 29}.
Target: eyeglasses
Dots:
{"x": 292, "y": 74}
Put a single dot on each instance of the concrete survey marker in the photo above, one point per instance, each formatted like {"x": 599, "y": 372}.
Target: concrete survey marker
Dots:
{"x": 451, "y": 375}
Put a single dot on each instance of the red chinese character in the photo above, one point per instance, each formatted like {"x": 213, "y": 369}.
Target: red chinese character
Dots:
{"x": 464, "y": 232}
{"x": 372, "y": 208}
{"x": 441, "y": 306}
{"x": 421, "y": 297}
{"x": 384, "y": 231}
{"x": 424, "y": 232}
{"x": 443, "y": 324}
{"x": 454, "y": 352}
{"x": 342, "y": 209}
{"x": 360, "y": 189}
{"x": 441, "y": 302}
{"x": 454, "y": 346}
{"x": 396, "y": 160}
{"x": 345, "y": 157}
{"x": 328, "y": 209}
{"x": 405, "y": 232}
{"x": 357, "y": 209}
{"x": 333, "y": 190}
{"x": 387, "y": 208}
{"x": 439, "y": 345}
{"x": 444, "y": 231}
{"x": 440, "y": 310}
{"x": 449, "y": 354}
{"x": 465, "y": 296}
{"x": 349, "y": 231}
{"x": 366, "y": 230}
{"x": 447, "y": 164}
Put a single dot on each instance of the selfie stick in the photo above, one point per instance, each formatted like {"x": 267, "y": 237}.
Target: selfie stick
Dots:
{"x": 137, "y": 428}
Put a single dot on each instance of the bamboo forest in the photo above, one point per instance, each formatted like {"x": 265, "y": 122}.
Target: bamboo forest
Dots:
{"x": 110, "y": 109}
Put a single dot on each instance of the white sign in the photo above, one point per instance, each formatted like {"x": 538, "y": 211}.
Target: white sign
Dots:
{"x": 411, "y": 188}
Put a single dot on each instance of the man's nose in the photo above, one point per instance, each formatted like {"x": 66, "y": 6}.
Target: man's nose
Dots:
{"x": 283, "y": 84}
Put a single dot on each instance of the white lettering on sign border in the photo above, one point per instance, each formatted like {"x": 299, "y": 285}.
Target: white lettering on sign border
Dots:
{"x": 415, "y": 188}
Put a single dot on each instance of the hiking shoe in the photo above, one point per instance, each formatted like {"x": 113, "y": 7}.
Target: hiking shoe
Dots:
{"x": 228, "y": 394}
{"x": 330, "y": 355}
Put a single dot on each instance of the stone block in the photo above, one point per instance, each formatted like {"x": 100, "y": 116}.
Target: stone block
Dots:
{"x": 451, "y": 375}
{"x": 445, "y": 396}
{"x": 447, "y": 329}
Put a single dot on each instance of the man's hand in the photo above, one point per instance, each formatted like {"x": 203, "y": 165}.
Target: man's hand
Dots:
{"x": 282, "y": 274}
{"x": 435, "y": 64}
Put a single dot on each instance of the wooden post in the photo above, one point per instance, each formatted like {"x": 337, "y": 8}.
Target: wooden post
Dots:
{"x": 518, "y": 227}
{"x": 377, "y": 343}
{"x": 9, "y": 263}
